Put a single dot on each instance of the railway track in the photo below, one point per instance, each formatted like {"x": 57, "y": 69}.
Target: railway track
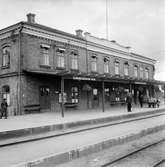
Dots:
{"x": 158, "y": 163}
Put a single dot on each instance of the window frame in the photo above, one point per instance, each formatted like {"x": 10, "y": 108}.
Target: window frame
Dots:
{"x": 6, "y": 56}
{"x": 126, "y": 69}
{"x": 117, "y": 67}
{"x": 60, "y": 52}
{"x": 135, "y": 70}
{"x": 45, "y": 59}
{"x": 74, "y": 60}
{"x": 146, "y": 73}
{"x": 141, "y": 72}
{"x": 94, "y": 63}
{"x": 106, "y": 65}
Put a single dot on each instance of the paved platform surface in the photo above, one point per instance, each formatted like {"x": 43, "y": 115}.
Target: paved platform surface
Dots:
{"x": 61, "y": 147}
{"x": 52, "y": 118}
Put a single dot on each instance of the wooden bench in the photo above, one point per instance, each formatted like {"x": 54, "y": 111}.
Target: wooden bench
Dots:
{"x": 117, "y": 102}
{"x": 70, "y": 105}
{"x": 33, "y": 108}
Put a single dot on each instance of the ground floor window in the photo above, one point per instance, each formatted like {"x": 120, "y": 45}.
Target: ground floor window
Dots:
{"x": 6, "y": 93}
{"x": 75, "y": 94}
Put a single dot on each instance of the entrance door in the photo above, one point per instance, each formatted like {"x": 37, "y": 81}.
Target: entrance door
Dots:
{"x": 44, "y": 97}
{"x": 95, "y": 100}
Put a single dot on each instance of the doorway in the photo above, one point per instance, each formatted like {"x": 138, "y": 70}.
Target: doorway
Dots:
{"x": 44, "y": 97}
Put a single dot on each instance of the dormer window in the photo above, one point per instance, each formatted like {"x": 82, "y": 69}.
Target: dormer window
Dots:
{"x": 106, "y": 65}
{"x": 126, "y": 69}
{"x": 74, "y": 60}
{"x": 117, "y": 66}
{"x": 45, "y": 58}
{"x": 94, "y": 63}
{"x": 60, "y": 57}
{"x": 6, "y": 57}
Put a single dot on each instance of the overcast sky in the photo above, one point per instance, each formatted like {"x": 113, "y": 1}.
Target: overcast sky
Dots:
{"x": 136, "y": 23}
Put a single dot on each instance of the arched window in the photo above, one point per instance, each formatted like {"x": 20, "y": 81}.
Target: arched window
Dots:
{"x": 6, "y": 56}
{"x": 126, "y": 69}
{"x": 6, "y": 93}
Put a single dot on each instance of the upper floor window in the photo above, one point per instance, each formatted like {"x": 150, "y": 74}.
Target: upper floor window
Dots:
{"x": 94, "y": 63}
{"x": 74, "y": 60}
{"x": 146, "y": 73}
{"x": 141, "y": 72}
{"x": 117, "y": 66}
{"x": 106, "y": 65}
{"x": 135, "y": 71}
{"x": 45, "y": 59}
{"x": 6, "y": 93}
{"x": 60, "y": 58}
{"x": 126, "y": 69}
{"x": 6, "y": 56}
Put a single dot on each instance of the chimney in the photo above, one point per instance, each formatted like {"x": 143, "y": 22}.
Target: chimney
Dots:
{"x": 30, "y": 18}
{"x": 79, "y": 33}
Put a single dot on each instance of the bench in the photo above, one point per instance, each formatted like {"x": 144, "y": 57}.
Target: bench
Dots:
{"x": 70, "y": 105}
{"x": 117, "y": 102}
{"x": 33, "y": 108}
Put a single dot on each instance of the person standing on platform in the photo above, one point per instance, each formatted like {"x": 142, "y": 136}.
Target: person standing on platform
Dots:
{"x": 129, "y": 102}
{"x": 4, "y": 106}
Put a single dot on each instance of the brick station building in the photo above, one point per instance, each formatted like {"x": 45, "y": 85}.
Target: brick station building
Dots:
{"x": 50, "y": 70}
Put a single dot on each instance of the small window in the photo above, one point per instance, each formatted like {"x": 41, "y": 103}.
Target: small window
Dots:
{"x": 126, "y": 69}
{"x": 60, "y": 58}
{"x": 75, "y": 94}
{"x": 45, "y": 55}
{"x": 6, "y": 57}
{"x": 94, "y": 63}
{"x": 6, "y": 93}
{"x": 117, "y": 65}
{"x": 74, "y": 59}
{"x": 106, "y": 65}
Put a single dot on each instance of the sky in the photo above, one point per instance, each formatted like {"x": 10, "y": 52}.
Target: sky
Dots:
{"x": 139, "y": 24}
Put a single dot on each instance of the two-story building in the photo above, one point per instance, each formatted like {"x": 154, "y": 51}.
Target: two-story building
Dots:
{"x": 52, "y": 70}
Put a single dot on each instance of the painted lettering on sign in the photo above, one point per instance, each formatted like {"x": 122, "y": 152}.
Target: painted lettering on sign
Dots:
{"x": 84, "y": 78}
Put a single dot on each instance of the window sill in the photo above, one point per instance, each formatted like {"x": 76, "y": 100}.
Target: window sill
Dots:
{"x": 74, "y": 70}
{"x": 45, "y": 66}
{"x": 5, "y": 67}
{"x": 60, "y": 68}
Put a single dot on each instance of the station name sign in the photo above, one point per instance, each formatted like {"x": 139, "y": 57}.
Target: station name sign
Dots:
{"x": 141, "y": 83}
{"x": 84, "y": 78}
